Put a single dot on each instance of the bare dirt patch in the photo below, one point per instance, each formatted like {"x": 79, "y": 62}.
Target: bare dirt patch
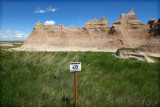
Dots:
{"x": 5, "y": 44}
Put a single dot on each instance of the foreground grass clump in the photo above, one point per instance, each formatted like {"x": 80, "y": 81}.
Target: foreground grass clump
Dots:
{"x": 43, "y": 79}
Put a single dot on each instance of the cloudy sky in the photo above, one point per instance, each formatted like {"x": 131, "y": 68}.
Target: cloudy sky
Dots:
{"x": 18, "y": 17}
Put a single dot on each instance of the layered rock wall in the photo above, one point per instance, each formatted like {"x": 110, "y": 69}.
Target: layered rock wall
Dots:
{"x": 96, "y": 35}
{"x": 93, "y": 36}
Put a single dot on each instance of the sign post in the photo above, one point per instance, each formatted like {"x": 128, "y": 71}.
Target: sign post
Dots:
{"x": 74, "y": 67}
{"x": 75, "y": 87}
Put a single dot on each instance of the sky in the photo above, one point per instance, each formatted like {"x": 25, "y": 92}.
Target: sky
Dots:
{"x": 18, "y": 17}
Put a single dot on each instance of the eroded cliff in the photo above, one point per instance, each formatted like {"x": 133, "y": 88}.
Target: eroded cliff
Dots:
{"x": 97, "y": 35}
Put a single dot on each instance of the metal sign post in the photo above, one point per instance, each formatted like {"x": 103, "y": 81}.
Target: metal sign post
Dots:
{"x": 74, "y": 67}
{"x": 75, "y": 88}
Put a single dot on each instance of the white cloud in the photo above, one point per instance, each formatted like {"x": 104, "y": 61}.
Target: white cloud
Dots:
{"x": 12, "y": 35}
{"x": 9, "y": 31}
{"x": 42, "y": 11}
{"x": 38, "y": 10}
{"x": 51, "y": 9}
{"x": 5, "y": 37}
{"x": 19, "y": 35}
{"x": 51, "y": 22}
{"x": 71, "y": 25}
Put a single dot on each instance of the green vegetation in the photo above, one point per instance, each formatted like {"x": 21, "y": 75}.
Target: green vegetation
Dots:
{"x": 157, "y": 59}
{"x": 44, "y": 79}
{"x": 133, "y": 49}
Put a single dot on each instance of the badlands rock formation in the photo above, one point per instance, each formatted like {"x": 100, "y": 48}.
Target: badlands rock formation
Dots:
{"x": 96, "y": 35}
{"x": 152, "y": 43}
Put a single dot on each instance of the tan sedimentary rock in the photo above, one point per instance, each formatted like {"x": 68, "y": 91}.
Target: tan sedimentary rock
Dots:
{"x": 132, "y": 31}
{"x": 93, "y": 36}
{"x": 155, "y": 27}
{"x": 153, "y": 39}
{"x": 96, "y": 35}
{"x": 95, "y": 23}
{"x": 152, "y": 22}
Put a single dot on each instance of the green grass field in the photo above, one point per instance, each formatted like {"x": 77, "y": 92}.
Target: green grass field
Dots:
{"x": 43, "y": 79}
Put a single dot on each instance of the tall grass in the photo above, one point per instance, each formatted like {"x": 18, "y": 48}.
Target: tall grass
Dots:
{"x": 44, "y": 79}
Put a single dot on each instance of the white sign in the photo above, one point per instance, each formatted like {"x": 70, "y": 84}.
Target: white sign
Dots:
{"x": 75, "y": 66}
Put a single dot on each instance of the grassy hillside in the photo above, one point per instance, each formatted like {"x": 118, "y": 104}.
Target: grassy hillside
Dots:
{"x": 44, "y": 79}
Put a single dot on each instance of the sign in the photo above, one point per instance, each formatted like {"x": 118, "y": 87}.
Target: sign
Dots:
{"x": 75, "y": 66}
